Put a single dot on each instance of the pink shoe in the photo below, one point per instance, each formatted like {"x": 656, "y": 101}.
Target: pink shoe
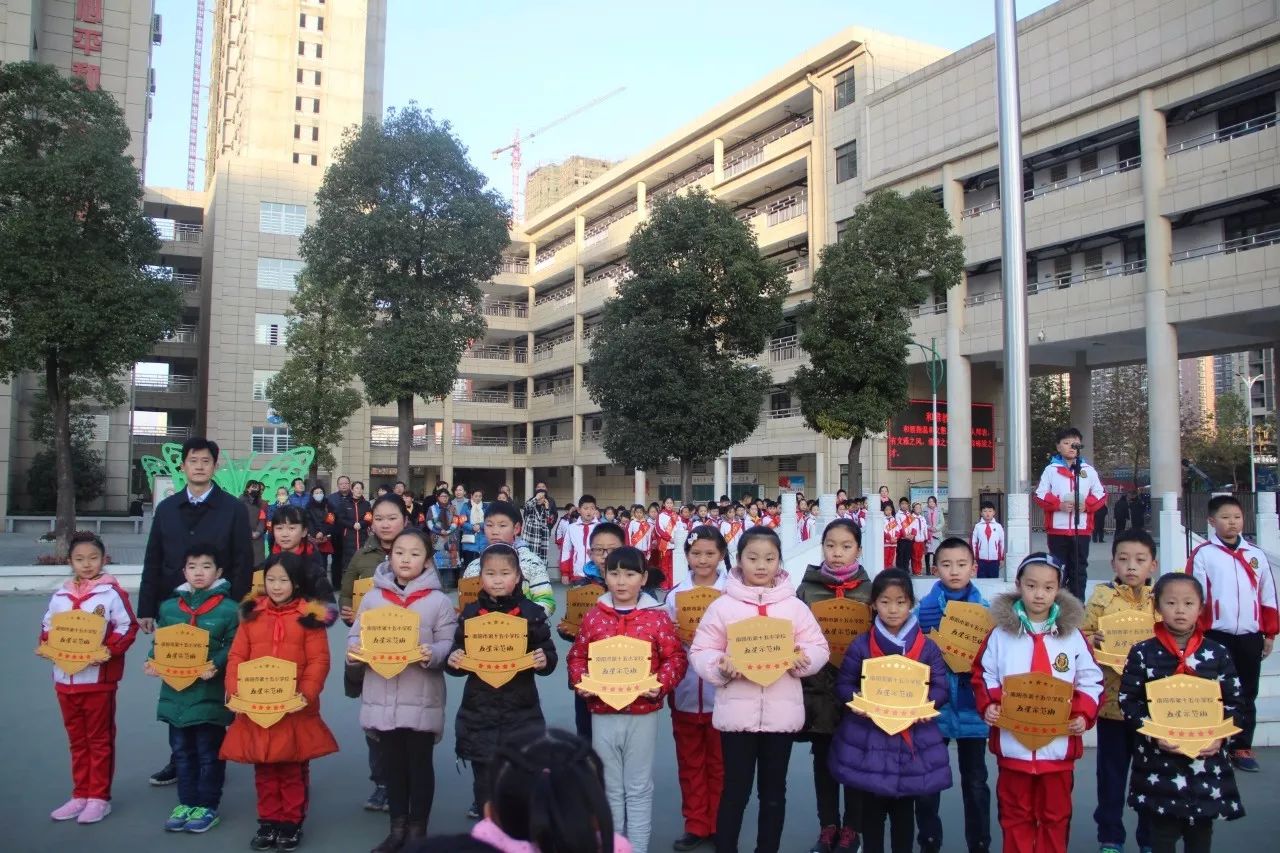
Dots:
{"x": 94, "y": 811}
{"x": 71, "y": 808}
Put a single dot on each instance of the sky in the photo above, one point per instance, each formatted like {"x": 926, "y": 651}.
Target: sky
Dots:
{"x": 491, "y": 66}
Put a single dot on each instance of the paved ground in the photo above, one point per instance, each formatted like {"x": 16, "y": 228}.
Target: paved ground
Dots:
{"x": 34, "y": 750}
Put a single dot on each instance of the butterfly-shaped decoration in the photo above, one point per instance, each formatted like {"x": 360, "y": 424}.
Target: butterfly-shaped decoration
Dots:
{"x": 234, "y": 474}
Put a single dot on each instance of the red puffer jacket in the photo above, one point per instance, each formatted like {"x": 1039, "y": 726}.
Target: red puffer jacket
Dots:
{"x": 648, "y": 621}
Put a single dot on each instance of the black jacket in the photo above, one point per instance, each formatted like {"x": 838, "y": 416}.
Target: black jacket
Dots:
{"x": 490, "y": 714}
{"x": 220, "y": 521}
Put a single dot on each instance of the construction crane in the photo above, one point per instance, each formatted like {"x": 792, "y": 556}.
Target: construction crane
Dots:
{"x": 517, "y": 187}
{"x": 193, "y": 129}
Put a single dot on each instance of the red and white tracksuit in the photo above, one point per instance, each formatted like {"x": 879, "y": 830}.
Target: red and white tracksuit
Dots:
{"x": 732, "y": 531}
{"x": 640, "y": 536}
{"x": 1239, "y": 588}
{"x": 88, "y": 698}
{"x": 918, "y": 529}
{"x": 892, "y": 533}
{"x": 1057, "y": 484}
{"x": 988, "y": 541}
{"x": 576, "y": 550}
{"x": 808, "y": 527}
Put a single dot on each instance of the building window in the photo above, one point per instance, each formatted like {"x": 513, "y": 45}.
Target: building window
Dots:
{"x": 271, "y": 439}
{"x": 315, "y": 105}
{"x": 315, "y": 134}
{"x": 847, "y": 162}
{"x": 261, "y": 378}
{"x": 297, "y": 131}
{"x": 297, "y": 104}
{"x": 279, "y": 273}
{"x": 843, "y": 226}
{"x": 844, "y": 89}
{"x": 288, "y": 219}
{"x": 319, "y": 51}
{"x": 302, "y": 19}
{"x": 320, "y": 23}
{"x": 315, "y": 159}
{"x": 317, "y": 78}
{"x": 1088, "y": 162}
{"x": 302, "y": 48}
{"x": 1058, "y": 173}
{"x": 296, "y": 159}
{"x": 271, "y": 330}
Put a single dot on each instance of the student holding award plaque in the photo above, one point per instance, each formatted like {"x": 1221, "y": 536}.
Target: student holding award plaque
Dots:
{"x": 1181, "y": 787}
{"x": 1037, "y": 683}
{"x": 278, "y": 728}
{"x": 755, "y": 643}
{"x": 403, "y": 632}
{"x": 85, "y": 632}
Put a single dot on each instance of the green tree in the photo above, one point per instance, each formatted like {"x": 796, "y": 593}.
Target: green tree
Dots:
{"x": 895, "y": 252}
{"x": 78, "y": 304}
{"x": 405, "y": 232}
{"x": 312, "y": 390}
{"x": 1219, "y": 443}
{"x": 1050, "y": 410}
{"x": 1121, "y": 434}
{"x": 699, "y": 301}
{"x": 91, "y": 478}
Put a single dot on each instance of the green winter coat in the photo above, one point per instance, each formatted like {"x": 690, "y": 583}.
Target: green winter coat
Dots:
{"x": 360, "y": 566}
{"x": 822, "y": 710}
{"x": 203, "y": 701}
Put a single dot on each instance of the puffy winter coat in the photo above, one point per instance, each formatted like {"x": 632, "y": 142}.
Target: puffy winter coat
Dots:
{"x": 361, "y": 565}
{"x": 489, "y": 714}
{"x": 321, "y": 586}
{"x": 215, "y": 611}
{"x": 537, "y": 585}
{"x": 1108, "y": 598}
{"x": 414, "y": 699}
{"x": 649, "y": 622}
{"x": 293, "y": 631}
{"x": 742, "y": 705}
{"x": 694, "y": 694}
{"x": 1168, "y": 783}
{"x": 102, "y": 596}
{"x": 960, "y": 717}
{"x": 821, "y": 710}
{"x": 862, "y": 755}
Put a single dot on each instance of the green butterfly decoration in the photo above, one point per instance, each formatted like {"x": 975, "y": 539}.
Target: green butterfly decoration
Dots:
{"x": 234, "y": 474}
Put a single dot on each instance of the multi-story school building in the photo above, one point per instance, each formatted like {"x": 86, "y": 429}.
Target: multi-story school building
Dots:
{"x": 1152, "y": 164}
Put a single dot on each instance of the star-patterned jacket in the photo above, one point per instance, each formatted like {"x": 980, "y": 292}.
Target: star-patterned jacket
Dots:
{"x": 1170, "y": 784}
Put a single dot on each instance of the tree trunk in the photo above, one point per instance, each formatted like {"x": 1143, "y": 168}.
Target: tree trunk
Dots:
{"x": 686, "y": 481}
{"x": 404, "y": 421}
{"x": 855, "y": 471}
{"x": 59, "y": 393}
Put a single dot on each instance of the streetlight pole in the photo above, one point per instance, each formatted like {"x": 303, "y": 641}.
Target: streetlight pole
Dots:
{"x": 936, "y": 369}
{"x": 1248, "y": 408}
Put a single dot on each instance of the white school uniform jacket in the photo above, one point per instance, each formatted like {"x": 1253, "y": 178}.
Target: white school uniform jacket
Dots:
{"x": 562, "y": 527}
{"x": 808, "y": 527}
{"x": 693, "y": 695}
{"x": 576, "y": 550}
{"x": 640, "y": 535}
{"x": 1239, "y": 588}
{"x": 1057, "y": 485}
{"x": 667, "y": 522}
{"x": 920, "y": 528}
{"x": 105, "y": 598}
{"x": 1063, "y": 653}
{"x": 988, "y": 540}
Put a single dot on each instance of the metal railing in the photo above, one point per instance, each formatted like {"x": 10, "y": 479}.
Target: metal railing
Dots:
{"x": 519, "y": 445}
{"x": 799, "y": 207}
{"x": 481, "y": 441}
{"x": 158, "y": 435}
{"x": 178, "y": 232}
{"x": 506, "y": 309}
{"x": 784, "y": 348}
{"x": 546, "y": 443}
{"x": 546, "y": 349}
{"x": 928, "y": 308}
{"x": 185, "y": 280}
{"x": 497, "y": 353}
{"x": 392, "y": 442}
{"x": 751, "y": 152}
{"x": 1239, "y": 244}
{"x": 490, "y": 398}
{"x": 181, "y": 335}
{"x": 558, "y": 295}
{"x": 164, "y": 384}
{"x": 979, "y": 209}
{"x": 982, "y": 297}
{"x": 1036, "y": 192}
{"x": 593, "y": 438}
{"x": 785, "y": 412}
{"x": 598, "y": 230}
{"x": 519, "y": 266}
{"x": 1225, "y": 134}
{"x": 1059, "y": 282}
{"x": 613, "y": 272}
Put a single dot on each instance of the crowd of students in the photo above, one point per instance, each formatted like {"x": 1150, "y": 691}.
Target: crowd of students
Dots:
{"x": 548, "y": 791}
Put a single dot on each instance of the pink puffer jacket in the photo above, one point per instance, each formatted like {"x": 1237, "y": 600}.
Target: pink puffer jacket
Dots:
{"x": 742, "y": 705}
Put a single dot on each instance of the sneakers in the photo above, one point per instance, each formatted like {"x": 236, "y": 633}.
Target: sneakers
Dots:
{"x": 474, "y": 813}
{"x": 289, "y": 837}
{"x": 1111, "y": 848}
{"x": 826, "y": 840}
{"x": 70, "y": 809}
{"x": 265, "y": 839}
{"x": 1243, "y": 759}
{"x": 689, "y": 841}
{"x": 166, "y": 775}
{"x": 201, "y": 819}
{"x": 377, "y": 801}
{"x": 848, "y": 842}
{"x": 177, "y": 819}
{"x": 94, "y": 811}
{"x": 931, "y": 845}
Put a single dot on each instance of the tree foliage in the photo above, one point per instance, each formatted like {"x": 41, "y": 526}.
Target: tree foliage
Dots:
{"x": 1050, "y": 409}
{"x": 404, "y": 234}
{"x": 78, "y": 304}
{"x": 1218, "y": 444}
{"x": 91, "y": 476}
{"x": 895, "y": 252}
{"x": 699, "y": 301}
{"x": 1121, "y": 431}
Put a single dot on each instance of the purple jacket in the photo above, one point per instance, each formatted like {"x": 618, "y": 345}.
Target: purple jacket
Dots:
{"x": 864, "y": 757}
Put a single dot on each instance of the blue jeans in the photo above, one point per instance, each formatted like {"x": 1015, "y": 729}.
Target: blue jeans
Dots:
{"x": 1116, "y": 743}
{"x": 972, "y": 752}
{"x": 195, "y": 757}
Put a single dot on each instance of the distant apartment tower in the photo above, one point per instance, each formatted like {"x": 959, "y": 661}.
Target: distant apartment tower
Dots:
{"x": 1233, "y": 370}
{"x": 548, "y": 184}
{"x": 1196, "y": 394}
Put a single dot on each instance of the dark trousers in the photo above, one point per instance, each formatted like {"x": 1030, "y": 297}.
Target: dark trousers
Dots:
{"x": 972, "y": 753}
{"x": 902, "y": 557}
{"x": 1246, "y": 652}
{"x": 376, "y": 774}
{"x": 898, "y": 811}
{"x": 762, "y": 758}
{"x": 988, "y": 568}
{"x": 1167, "y": 831}
{"x": 1116, "y": 745}
{"x": 410, "y": 774}
{"x": 828, "y": 790}
{"x": 1099, "y": 532}
{"x": 581, "y": 717}
{"x": 195, "y": 756}
{"x": 480, "y": 783}
{"x": 1072, "y": 552}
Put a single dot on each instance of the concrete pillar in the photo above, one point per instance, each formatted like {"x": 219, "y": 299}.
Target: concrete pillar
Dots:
{"x": 446, "y": 443}
{"x": 1268, "y": 524}
{"x": 1172, "y": 537}
{"x": 579, "y": 226}
{"x": 717, "y": 160}
{"x": 789, "y": 529}
{"x": 873, "y": 535}
{"x": 528, "y": 482}
{"x": 718, "y": 486}
{"x": 1082, "y": 401}
{"x": 1017, "y": 530}
{"x": 642, "y": 199}
{"x": 578, "y": 487}
{"x": 827, "y": 509}
{"x": 819, "y": 468}
{"x": 1162, "y": 337}
{"x": 638, "y": 495}
{"x": 959, "y": 515}
{"x": 509, "y": 477}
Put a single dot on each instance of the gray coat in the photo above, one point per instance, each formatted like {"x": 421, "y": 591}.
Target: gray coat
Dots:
{"x": 415, "y": 698}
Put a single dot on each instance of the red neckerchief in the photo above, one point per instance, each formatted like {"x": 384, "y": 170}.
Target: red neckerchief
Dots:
{"x": 1171, "y": 645}
{"x": 914, "y": 653}
{"x": 515, "y": 611}
{"x": 77, "y": 600}
{"x": 277, "y": 613}
{"x": 1238, "y": 554}
{"x": 841, "y": 588}
{"x": 209, "y": 603}
{"x": 405, "y": 600}
{"x": 303, "y": 550}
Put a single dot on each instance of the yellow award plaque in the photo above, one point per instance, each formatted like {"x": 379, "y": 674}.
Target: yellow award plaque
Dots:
{"x": 690, "y": 606}
{"x": 266, "y": 689}
{"x": 1035, "y": 708}
{"x": 841, "y": 621}
{"x": 762, "y": 648}
{"x": 75, "y": 641}
{"x": 181, "y": 654}
{"x": 468, "y": 592}
{"x": 1120, "y": 632}
{"x": 577, "y": 602}
{"x": 895, "y": 693}
{"x": 389, "y": 640}
{"x": 496, "y": 647}
{"x": 964, "y": 627}
{"x": 358, "y": 591}
{"x": 618, "y": 670}
{"x": 259, "y": 586}
{"x": 1186, "y": 710}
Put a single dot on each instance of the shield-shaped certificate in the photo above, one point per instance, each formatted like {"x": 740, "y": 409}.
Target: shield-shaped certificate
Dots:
{"x": 577, "y": 601}
{"x": 266, "y": 689}
{"x": 497, "y": 647}
{"x": 389, "y": 640}
{"x": 690, "y": 607}
{"x": 468, "y": 592}
{"x": 964, "y": 626}
{"x": 259, "y": 585}
{"x": 75, "y": 641}
{"x": 1120, "y": 632}
{"x": 619, "y": 670}
{"x": 1035, "y": 708}
{"x": 1186, "y": 710}
{"x": 181, "y": 654}
{"x": 762, "y": 648}
{"x": 841, "y": 620}
{"x": 358, "y": 591}
{"x": 895, "y": 693}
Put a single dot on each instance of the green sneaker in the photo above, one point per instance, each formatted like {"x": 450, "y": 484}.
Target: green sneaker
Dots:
{"x": 178, "y": 818}
{"x": 201, "y": 820}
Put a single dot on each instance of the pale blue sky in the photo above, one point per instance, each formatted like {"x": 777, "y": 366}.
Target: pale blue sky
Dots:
{"x": 489, "y": 66}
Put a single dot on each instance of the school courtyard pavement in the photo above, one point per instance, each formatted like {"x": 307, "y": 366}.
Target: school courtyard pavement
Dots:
{"x": 35, "y": 774}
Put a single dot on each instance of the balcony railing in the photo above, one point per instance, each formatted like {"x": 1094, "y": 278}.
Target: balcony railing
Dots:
{"x": 784, "y": 348}
{"x": 546, "y": 349}
{"x": 593, "y": 438}
{"x": 682, "y": 180}
{"x": 481, "y": 441}
{"x": 1239, "y": 244}
{"x": 178, "y": 232}
{"x": 490, "y": 398}
{"x": 751, "y": 152}
{"x": 598, "y": 230}
{"x": 614, "y": 273}
{"x": 519, "y": 445}
{"x": 782, "y": 412}
{"x": 519, "y": 266}
{"x": 547, "y": 255}
{"x": 185, "y": 280}
{"x": 506, "y": 309}
{"x": 497, "y": 353}
{"x": 1064, "y": 280}
{"x": 786, "y": 209}
{"x": 557, "y": 295}
{"x": 163, "y": 384}
{"x": 982, "y": 297}
{"x": 1244, "y": 128}
{"x": 159, "y": 435}
{"x": 560, "y": 393}
{"x": 546, "y": 443}
{"x": 1036, "y": 192}
{"x": 979, "y": 209}
{"x": 181, "y": 335}
{"x": 393, "y": 441}
{"x": 928, "y": 308}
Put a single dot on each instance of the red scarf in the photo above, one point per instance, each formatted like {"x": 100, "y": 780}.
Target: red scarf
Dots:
{"x": 1237, "y": 553}
{"x": 277, "y": 614}
{"x": 841, "y": 588}
{"x": 405, "y": 600}
{"x": 209, "y": 603}
{"x": 1194, "y": 642}
{"x": 515, "y": 611}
